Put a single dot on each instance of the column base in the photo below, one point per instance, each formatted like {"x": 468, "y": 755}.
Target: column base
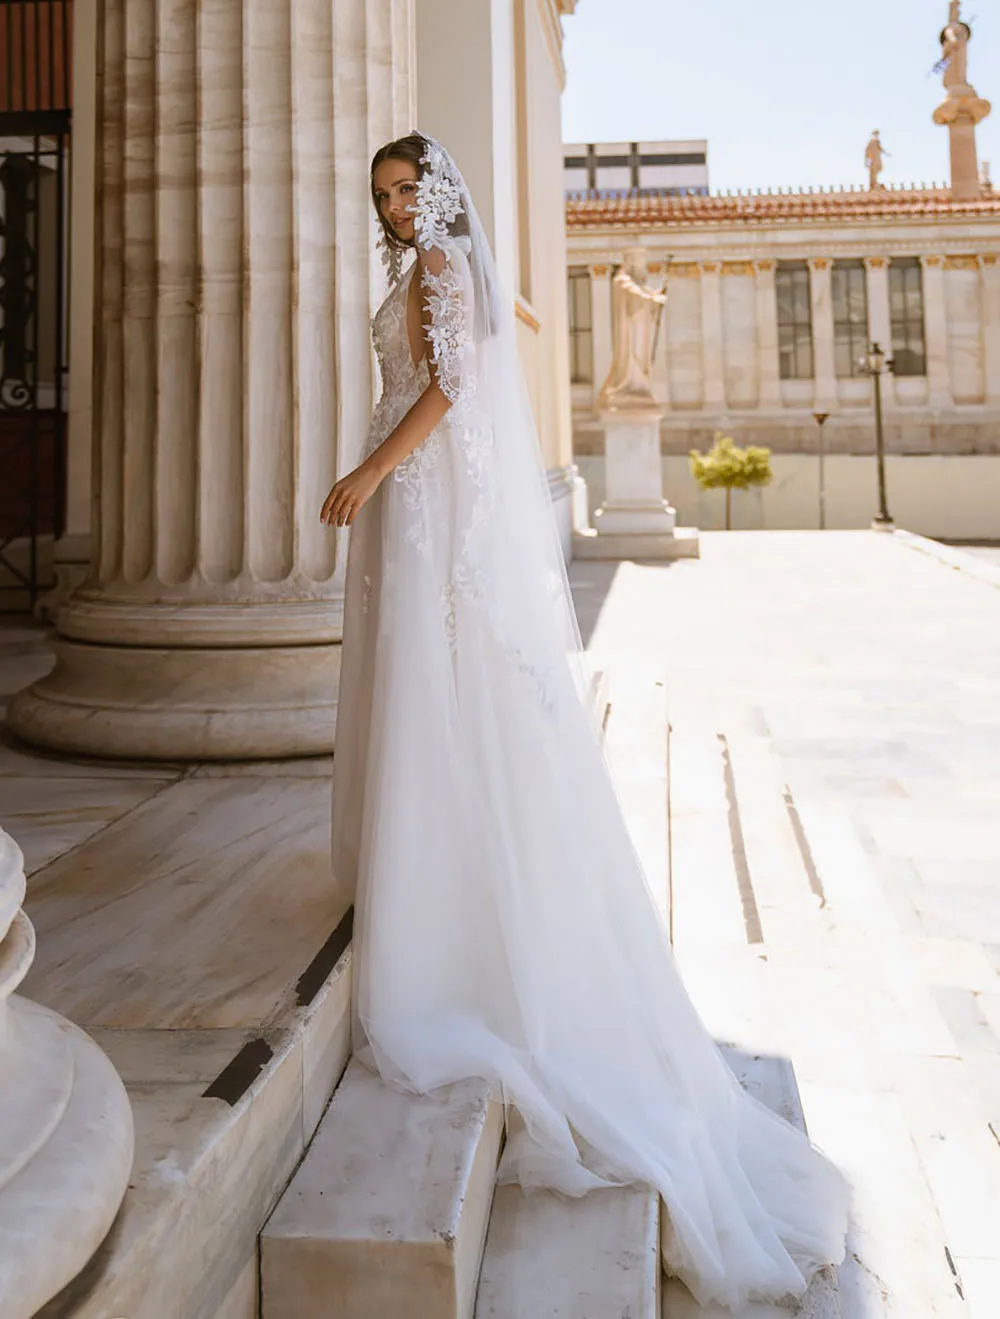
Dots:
{"x": 681, "y": 543}
{"x": 66, "y": 1133}
{"x": 882, "y": 524}
{"x": 74, "y": 1116}
{"x": 655, "y": 517}
{"x": 146, "y": 703}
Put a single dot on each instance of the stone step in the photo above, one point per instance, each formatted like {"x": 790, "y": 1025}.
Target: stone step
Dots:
{"x": 551, "y": 1257}
{"x": 387, "y": 1213}
{"x": 821, "y": 1301}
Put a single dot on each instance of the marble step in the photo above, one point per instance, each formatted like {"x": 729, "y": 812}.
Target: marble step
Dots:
{"x": 387, "y": 1213}
{"x": 821, "y": 1301}
{"x": 551, "y": 1257}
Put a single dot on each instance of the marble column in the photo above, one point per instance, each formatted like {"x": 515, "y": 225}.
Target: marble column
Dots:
{"x": 824, "y": 359}
{"x": 233, "y": 373}
{"x": 713, "y": 378}
{"x": 72, "y": 550}
{"x": 66, "y": 1136}
{"x": 990, "y": 275}
{"x": 879, "y": 315}
{"x": 939, "y": 393}
{"x": 600, "y": 319}
{"x": 769, "y": 369}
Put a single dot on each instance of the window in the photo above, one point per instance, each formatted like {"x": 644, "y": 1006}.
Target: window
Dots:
{"x": 850, "y": 317}
{"x": 581, "y": 334}
{"x": 906, "y": 307}
{"x": 795, "y": 345}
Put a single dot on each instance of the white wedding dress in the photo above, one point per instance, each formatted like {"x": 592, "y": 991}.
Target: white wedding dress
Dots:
{"x": 503, "y": 924}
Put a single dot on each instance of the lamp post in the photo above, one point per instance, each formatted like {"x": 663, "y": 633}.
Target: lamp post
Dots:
{"x": 875, "y": 363}
{"x": 819, "y": 418}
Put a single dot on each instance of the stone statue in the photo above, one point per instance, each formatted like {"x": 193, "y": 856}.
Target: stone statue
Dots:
{"x": 636, "y": 311}
{"x": 955, "y": 48}
{"x": 874, "y": 153}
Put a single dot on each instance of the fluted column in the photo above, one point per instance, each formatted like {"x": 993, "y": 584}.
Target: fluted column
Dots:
{"x": 990, "y": 275}
{"x": 879, "y": 314}
{"x": 768, "y": 363}
{"x": 939, "y": 393}
{"x": 600, "y": 319}
{"x": 714, "y": 393}
{"x": 66, "y": 1137}
{"x": 236, "y": 251}
{"x": 821, "y": 295}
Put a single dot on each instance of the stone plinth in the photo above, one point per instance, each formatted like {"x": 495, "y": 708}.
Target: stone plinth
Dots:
{"x": 635, "y": 521}
{"x": 66, "y": 1135}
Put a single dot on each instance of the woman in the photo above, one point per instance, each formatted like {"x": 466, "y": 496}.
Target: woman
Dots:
{"x": 503, "y": 925}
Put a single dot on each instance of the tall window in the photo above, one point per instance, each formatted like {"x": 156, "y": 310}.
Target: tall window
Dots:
{"x": 581, "y": 331}
{"x": 850, "y": 316}
{"x": 795, "y": 340}
{"x": 906, "y": 307}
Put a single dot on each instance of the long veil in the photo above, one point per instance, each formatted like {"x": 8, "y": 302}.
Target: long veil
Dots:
{"x": 504, "y": 926}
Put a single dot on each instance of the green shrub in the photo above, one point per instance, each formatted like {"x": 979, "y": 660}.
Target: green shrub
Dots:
{"x": 726, "y": 467}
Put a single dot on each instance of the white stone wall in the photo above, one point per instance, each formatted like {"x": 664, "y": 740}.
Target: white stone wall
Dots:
{"x": 949, "y": 496}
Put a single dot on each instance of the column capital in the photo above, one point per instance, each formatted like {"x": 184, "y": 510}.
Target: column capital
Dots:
{"x": 765, "y": 266}
{"x": 683, "y": 269}
{"x": 710, "y": 267}
{"x": 876, "y": 262}
{"x": 929, "y": 260}
{"x": 599, "y": 270}
{"x": 989, "y": 259}
{"x": 820, "y": 262}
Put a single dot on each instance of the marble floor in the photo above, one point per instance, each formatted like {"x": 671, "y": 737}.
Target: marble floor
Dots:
{"x": 805, "y": 734}
{"x": 186, "y": 918}
{"x": 834, "y": 859}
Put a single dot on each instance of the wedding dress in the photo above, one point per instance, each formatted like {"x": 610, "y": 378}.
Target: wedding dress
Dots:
{"x": 503, "y": 925}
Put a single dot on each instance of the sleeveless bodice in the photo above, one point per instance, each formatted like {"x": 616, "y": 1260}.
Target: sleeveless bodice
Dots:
{"x": 402, "y": 382}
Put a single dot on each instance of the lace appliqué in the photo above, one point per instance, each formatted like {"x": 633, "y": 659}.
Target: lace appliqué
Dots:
{"x": 392, "y": 258}
{"x": 465, "y": 586}
{"x": 439, "y": 199}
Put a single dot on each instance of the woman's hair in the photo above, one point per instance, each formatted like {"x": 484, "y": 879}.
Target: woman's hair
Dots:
{"x": 412, "y": 149}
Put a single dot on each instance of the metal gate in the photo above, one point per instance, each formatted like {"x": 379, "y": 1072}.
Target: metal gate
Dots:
{"x": 35, "y": 99}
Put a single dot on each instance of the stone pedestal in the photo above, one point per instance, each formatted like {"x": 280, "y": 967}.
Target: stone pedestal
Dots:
{"x": 960, "y": 112}
{"x": 66, "y": 1138}
{"x": 635, "y": 521}
{"x": 233, "y": 375}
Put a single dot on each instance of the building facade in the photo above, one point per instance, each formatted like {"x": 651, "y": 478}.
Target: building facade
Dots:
{"x": 772, "y": 302}
{"x": 774, "y": 299}
{"x": 679, "y": 168}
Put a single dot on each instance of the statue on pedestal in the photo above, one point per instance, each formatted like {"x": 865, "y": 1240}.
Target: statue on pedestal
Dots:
{"x": 962, "y": 109}
{"x": 954, "y": 62}
{"x": 874, "y": 153}
{"x": 636, "y": 311}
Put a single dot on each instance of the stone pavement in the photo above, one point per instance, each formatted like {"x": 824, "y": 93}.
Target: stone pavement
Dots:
{"x": 805, "y": 732}
{"x": 834, "y": 850}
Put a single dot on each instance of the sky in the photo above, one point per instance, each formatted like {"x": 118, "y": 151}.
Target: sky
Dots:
{"x": 787, "y": 94}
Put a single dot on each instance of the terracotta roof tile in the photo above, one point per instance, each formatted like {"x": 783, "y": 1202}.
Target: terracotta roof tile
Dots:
{"x": 596, "y": 210}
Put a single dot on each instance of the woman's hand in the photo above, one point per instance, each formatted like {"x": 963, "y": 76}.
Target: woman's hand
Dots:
{"x": 350, "y": 493}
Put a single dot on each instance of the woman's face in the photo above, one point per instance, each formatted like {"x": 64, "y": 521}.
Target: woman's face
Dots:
{"x": 396, "y": 193}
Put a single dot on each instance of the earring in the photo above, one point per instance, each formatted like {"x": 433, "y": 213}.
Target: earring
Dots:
{"x": 392, "y": 258}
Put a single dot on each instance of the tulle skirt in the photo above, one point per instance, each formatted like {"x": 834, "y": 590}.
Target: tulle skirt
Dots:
{"x": 504, "y": 929}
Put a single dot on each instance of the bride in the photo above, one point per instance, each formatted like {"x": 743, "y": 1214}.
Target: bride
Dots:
{"x": 503, "y": 925}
